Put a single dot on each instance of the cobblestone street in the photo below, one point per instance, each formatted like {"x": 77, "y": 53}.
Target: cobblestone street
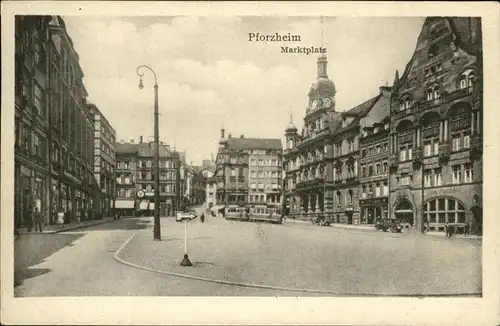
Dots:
{"x": 286, "y": 260}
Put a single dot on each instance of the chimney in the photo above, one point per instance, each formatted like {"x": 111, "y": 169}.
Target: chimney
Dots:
{"x": 229, "y": 136}
{"x": 242, "y": 136}
{"x": 222, "y": 133}
{"x": 132, "y": 140}
{"x": 140, "y": 139}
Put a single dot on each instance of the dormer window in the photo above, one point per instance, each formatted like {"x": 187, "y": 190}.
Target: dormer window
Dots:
{"x": 375, "y": 130}
{"x": 404, "y": 103}
{"x": 433, "y": 93}
{"x": 467, "y": 79}
{"x": 365, "y": 133}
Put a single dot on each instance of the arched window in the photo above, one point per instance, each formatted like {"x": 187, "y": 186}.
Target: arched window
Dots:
{"x": 444, "y": 210}
{"x": 460, "y": 126}
{"x": 430, "y": 94}
{"x": 405, "y": 140}
{"x": 467, "y": 79}
{"x": 430, "y": 133}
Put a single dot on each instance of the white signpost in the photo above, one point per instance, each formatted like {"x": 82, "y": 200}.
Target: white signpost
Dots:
{"x": 185, "y": 261}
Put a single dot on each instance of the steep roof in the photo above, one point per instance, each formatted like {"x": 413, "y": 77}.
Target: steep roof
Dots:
{"x": 254, "y": 143}
{"x": 363, "y": 108}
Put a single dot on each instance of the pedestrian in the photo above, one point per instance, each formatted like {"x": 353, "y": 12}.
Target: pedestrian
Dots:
{"x": 37, "y": 216}
{"x": 60, "y": 218}
{"x": 466, "y": 229}
{"x": 28, "y": 217}
{"x": 202, "y": 218}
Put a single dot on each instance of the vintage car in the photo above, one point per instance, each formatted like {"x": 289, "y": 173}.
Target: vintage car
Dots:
{"x": 181, "y": 216}
{"x": 388, "y": 225}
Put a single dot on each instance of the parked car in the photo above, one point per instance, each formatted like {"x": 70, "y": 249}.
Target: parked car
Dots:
{"x": 321, "y": 221}
{"x": 181, "y": 216}
{"x": 388, "y": 225}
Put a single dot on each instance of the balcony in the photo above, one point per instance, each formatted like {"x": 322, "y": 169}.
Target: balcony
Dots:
{"x": 241, "y": 178}
{"x": 444, "y": 151}
{"x": 349, "y": 207}
{"x": 232, "y": 179}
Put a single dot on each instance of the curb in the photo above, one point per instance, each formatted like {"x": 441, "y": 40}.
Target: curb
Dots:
{"x": 79, "y": 227}
{"x": 268, "y": 287}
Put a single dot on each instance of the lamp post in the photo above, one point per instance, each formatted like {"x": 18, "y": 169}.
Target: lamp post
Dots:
{"x": 156, "y": 228}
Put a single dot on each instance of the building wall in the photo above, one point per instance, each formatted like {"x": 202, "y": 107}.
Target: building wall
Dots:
{"x": 104, "y": 158}
{"x": 265, "y": 170}
{"x": 374, "y": 150}
{"x": 436, "y": 123}
{"x": 53, "y": 153}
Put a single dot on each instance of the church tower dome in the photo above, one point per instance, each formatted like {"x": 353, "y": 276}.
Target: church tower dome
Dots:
{"x": 323, "y": 85}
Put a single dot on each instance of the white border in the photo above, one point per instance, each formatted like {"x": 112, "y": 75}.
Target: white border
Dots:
{"x": 248, "y": 310}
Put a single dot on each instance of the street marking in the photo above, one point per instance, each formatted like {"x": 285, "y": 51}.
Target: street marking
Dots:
{"x": 269, "y": 287}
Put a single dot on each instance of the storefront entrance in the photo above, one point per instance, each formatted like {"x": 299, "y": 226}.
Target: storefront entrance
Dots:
{"x": 404, "y": 213}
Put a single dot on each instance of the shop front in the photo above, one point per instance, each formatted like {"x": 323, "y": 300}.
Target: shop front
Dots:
{"x": 373, "y": 209}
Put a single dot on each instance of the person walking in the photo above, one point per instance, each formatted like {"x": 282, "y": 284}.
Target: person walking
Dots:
{"x": 37, "y": 216}
{"x": 28, "y": 217}
{"x": 60, "y": 218}
{"x": 466, "y": 229}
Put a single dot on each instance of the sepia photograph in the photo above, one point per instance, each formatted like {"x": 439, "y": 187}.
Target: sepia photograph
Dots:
{"x": 246, "y": 155}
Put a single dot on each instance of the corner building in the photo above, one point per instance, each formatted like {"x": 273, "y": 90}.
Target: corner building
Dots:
{"x": 248, "y": 172}
{"x": 436, "y": 128}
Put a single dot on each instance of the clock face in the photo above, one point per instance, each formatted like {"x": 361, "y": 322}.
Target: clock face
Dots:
{"x": 327, "y": 102}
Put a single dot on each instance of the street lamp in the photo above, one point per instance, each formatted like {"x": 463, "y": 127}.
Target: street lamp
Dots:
{"x": 156, "y": 227}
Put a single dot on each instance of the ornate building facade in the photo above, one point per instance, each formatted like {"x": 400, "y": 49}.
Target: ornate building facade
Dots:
{"x": 53, "y": 128}
{"x": 308, "y": 157}
{"x": 436, "y": 128}
{"x": 322, "y": 163}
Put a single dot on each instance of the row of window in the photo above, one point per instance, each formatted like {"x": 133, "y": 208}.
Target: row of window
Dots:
{"x": 461, "y": 173}
{"x": 374, "y": 169}
{"x": 376, "y": 190}
{"x": 265, "y": 174}
{"x": 148, "y": 164}
{"x": 260, "y": 162}
{"x": 376, "y": 149}
{"x": 433, "y": 93}
{"x": 264, "y": 199}
{"x": 460, "y": 141}
{"x": 164, "y": 176}
{"x": 273, "y": 186}
{"x": 171, "y": 188}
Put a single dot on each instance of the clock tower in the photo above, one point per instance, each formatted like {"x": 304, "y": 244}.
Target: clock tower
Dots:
{"x": 321, "y": 100}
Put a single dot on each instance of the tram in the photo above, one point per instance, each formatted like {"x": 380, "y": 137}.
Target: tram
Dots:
{"x": 265, "y": 213}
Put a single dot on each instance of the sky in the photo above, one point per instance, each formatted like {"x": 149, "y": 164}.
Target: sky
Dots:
{"x": 210, "y": 74}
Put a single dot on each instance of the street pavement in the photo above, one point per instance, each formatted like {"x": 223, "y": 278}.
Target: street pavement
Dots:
{"x": 316, "y": 259}
{"x": 290, "y": 256}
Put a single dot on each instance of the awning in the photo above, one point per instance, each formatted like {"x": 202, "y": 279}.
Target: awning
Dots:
{"x": 124, "y": 204}
{"x": 143, "y": 205}
{"x": 404, "y": 211}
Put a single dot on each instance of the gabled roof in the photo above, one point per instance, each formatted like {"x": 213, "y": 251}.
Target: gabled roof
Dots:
{"x": 254, "y": 143}
{"x": 362, "y": 109}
